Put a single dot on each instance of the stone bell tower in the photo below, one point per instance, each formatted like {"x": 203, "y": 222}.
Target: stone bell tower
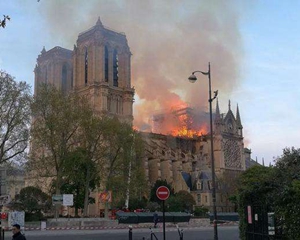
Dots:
{"x": 101, "y": 71}
{"x": 229, "y": 144}
{"x": 54, "y": 67}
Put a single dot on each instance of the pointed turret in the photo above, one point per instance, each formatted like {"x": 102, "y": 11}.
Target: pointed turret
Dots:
{"x": 238, "y": 118}
{"x": 99, "y": 23}
{"x": 43, "y": 50}
{"x": 229, "y": 106}
{"x": 218, "y": 115}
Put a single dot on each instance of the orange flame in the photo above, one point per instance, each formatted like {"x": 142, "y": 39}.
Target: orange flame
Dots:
{"x": 179, "y": 121}
{"x": 183, "y": 130}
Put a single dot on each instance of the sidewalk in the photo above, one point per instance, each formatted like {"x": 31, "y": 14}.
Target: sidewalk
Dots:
{"x": 114, "y": 225}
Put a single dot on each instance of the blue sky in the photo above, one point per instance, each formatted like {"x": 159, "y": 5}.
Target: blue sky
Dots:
{"x": 267, "y": 86}
{"x": 268, "y": 95}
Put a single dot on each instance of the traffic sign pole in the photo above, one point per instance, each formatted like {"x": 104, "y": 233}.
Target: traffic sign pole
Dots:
{"x": 163, "y": 194}
{"x": 164, "y": 220}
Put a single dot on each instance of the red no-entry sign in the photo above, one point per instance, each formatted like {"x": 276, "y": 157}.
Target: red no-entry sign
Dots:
{"x": 163, "y": 193}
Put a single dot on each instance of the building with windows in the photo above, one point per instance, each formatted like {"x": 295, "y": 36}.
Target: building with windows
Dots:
{"x": 99, "y": 68}
{"x": 185, "y": 161}
{"x": 12, "y": 180}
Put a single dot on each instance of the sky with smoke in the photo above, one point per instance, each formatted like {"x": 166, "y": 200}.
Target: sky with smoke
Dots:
{"x": 169, "y": 39}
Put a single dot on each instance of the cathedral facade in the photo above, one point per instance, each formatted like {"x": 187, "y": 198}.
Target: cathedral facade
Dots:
{"x": 185, "y": 162}
{"x": 99, "y": 68}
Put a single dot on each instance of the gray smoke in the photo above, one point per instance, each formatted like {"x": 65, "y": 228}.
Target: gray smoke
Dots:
{"x": 169, "y": 39}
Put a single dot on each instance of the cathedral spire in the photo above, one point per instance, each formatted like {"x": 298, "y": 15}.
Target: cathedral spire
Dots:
{"x": 229, "y": 105}
{"x": 99, "y": 23}
{"x": 43, "y": 50}
{"x": 238, "y": 118}
{"x": 218, "y": 116}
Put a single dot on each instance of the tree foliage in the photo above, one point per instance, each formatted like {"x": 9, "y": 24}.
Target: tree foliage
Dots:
{"x": 75, "y": 177}
{"x": 287, "y": 193}
{"x": 124, "y": 170}
{"x": 55, "y": 124}
{"x": 3, "y": 21}
{"x": 33, "y": 201}
{"x": 66, "y": 129}
{"x": 276, "y": 189}
{"x": 228, "y": 187}
{"x": 201, "y": 211}
{"x": 254, "y": 188}
{"x": 182, "y": 201}
{"x": 15, "y": 100}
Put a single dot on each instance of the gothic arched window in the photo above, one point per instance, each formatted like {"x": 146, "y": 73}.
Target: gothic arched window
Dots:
{"x": 116, "y": 68}
{"x": 106, "y": 64}
{"x": 64, "y": 78}
{"x": 86, "y": 66}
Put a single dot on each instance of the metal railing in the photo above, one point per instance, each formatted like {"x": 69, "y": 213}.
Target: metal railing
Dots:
{"x": 154, "y": 237}
{"x": 180, "y": 232}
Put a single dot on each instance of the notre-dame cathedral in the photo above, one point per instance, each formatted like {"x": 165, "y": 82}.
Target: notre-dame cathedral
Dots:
{"x": 99, "y": 68}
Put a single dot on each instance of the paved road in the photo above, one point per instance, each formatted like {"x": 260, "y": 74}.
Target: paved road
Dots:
{"x": 204, "y": 233}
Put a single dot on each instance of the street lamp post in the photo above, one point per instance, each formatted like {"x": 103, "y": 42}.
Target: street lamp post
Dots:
{"x": 193, "y": 79}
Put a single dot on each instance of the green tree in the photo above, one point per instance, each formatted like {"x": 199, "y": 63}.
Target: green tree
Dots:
{"x": 287, "y": 191}
{"x": 137, "y": 203}
{"x": 182, "y": 201}
{"x": 75, "y": 176}
{"x": 93, "y": 130}
{"x": 124, "y": 170}
{"x": 256, "y": 187}
{"x": 112, "y": 149}
{"x": 55, "y": 125}
{"x": 229, "y": 187}
{"x": 201, "y": 211}
{"x": 33, "y": 201}
{"x": 15, "y": 100}
{"x": 276, "y": 189}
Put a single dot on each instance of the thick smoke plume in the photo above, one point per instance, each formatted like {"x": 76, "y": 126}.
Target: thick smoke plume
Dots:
{"x": 169, "y": 39}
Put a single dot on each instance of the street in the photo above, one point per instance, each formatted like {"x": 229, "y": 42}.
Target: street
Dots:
{"x": 204, "y": 233}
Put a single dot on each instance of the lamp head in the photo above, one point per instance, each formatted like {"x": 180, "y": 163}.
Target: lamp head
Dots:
{"x": 192, "y": 78}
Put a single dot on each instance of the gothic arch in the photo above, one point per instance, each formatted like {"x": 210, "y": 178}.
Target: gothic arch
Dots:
{"x": 64, "y": 77}
{"x": 106, "y": 63}
{"x": 86, "y": 60}
{"x": 115, "y": 68}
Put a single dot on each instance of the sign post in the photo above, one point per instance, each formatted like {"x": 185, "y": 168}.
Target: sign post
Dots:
{"x": 249, "y": 214}
{"x": 68, "y": 201}
{"x": 163, "y": 194}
